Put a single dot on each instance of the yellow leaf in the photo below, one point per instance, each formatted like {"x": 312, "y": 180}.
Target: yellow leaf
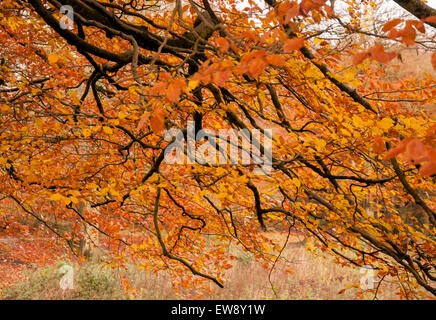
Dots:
{"x": 86, "y": 132}
{"x": 193, "y": 84}
{"x": 53, "y": 58}
{"x": 320, "y": 144}
{"x": 358, "y": 122}
{"x": 56, "y": 197}
{"x": 74, "y": 200}
{"x": 385, "y": 124}
{"x": 107, "y": 130}
{"x": 296, "y": 182}
{"x": 222, "y": 195}
{"x": 66, "y": 200}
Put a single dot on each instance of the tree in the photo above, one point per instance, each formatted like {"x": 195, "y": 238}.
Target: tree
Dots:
{"x": 89, "y": 93}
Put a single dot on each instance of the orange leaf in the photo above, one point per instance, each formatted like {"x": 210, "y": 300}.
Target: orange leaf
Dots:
{"x": 292, "y": 12}
{"x": 408, "y": 34}
{"x": 222, "y": 43}
{"x": 431, "y": 19}
{"x": 398, "y": 149}
{"x": 53, "y": 58}
{"x": 220, "y": 77}
{"x": 428, "y": 169}
{"x": 393, "y": 34}
{"x": 305, "y": 7}
{"x": 415, "y": 151}
{"x": 359, "y": 57}
{"x": 173, "y": 92}
{"x": 391, "y": 24}
{"x": 432, "y": 155}
{"x": 379, "y": 145}
{"x": 276, "y": 59}
{"x": 419, "y": 25}
{"x": 256, "y": 67}
{"x": 293, "y": 44}
{"x": 287, "y": 11}
{"x": 378, "y": 53}
{"x": 329, "y": 11}
{"x": 157, "y": 123}
{"x": 142, "y": 121}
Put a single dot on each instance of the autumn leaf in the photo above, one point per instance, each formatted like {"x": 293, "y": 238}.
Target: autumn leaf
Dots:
{"x": 288, "y": 10}
{"x": 53, "y": 58}
{"x": 157, "y": 123}
{"x": 220, "y": 77}
{"x": 358, "y": 58}
{"x": 173, "y": 92}
{"x": 385, "y": 124}
{"x": 419, "y": 25}
{"x": 379, "y": 145}
{"x": 415, "y": 152}
{"x": 391, "y": 24}
{"x": 256, "y": 67}
{"x": 56, "y": 197}
{"x": 293, "y": 44}
{"x": 377, "y": 52}
{"x": 429, "y": 168}
{"x": 193, "y": 84}
{"x": 222, "y": 43}
{"x": 400, "y": 148}
{"x": 329, "y": 11}
{"x": 307, "y": 5}
{"x": 276, "y": 59}
{"x": 144, "y": 118}
{"x": 431, "y": 19}
{"x": 108, "y": 130}
{"x": 86, "y": 132}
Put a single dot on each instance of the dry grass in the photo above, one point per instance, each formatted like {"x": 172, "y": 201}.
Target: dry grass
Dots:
{"x": 314, "y": 277}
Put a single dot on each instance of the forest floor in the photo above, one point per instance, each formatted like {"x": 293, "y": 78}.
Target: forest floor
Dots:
{"x": 28, "y": 274}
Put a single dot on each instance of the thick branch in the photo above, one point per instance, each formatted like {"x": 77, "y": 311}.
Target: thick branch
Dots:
{"x": 418, "y": 8}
